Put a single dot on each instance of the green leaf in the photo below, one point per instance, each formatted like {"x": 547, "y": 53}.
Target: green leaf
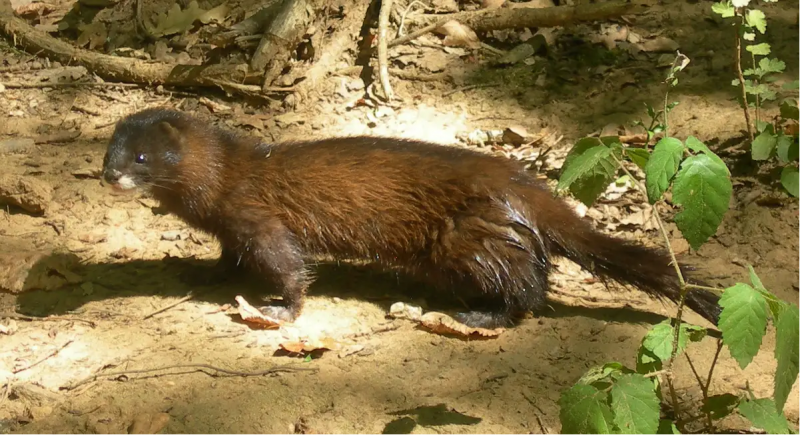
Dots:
{"x": 720, "y": 406}
{"x": 658, "y": 341}
{"x": 789, "y": 180}
{"x": 786, "y": 149}
{"x": 697, "y": 146}
{"x": 578, "y": 162}
{"x": 776, "y": 306}
{"x": 763, "y": 414}
{"x": 703, "y": 187}
{"x": 749, "y": 36}
{"x": 724, "y": 9}
{"x": 584, "y": 409}
{"x": 601, "y": 373}
{"x": 771, "y": 65}
{"x": 763, "y": 146}
{"x": 759, "y": 49}
{"x": 635, "y": 404}
{"x": 640, "y": 156}
{"x": 762, "y": 126}
{"x": 786, "y": 353}
{"x": 754, "y": 279}
{"x": 756, "y": 18}
{"x": 667, "y": 427}
{"x": 790, "y": 110}
{"x": 794, "y": 84}
{"x": 662, "y": 166}
{"x": 743, "y": 321}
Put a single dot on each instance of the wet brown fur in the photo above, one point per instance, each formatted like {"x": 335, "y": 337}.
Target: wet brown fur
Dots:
{"x": 458, "y": 219}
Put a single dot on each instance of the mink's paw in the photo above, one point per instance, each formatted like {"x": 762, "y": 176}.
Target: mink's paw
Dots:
{"x": 278, "y": 313}
{"x": 486, "y": 320}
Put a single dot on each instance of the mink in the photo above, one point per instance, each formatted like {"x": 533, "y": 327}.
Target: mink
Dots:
{"x": 459, "y": 220}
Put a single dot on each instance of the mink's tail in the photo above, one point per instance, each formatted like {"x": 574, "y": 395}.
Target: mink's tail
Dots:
{"x": 607, "y": 257}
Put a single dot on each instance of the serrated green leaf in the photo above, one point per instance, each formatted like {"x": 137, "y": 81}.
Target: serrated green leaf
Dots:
{"x": 789, "y": 180}
{"x": 789, "y": 110}
{"x": 640, "y": 156}
{"x": 763, "y": 146}
{"x": 635, "y": 404}
{"x": 763, "y": 414}
{"x": 697, "y": 146}
{"x": 768, "y": 95}
{"x": 658, "y": 341}
{"x": 786, "y": 150}
{"x": 762, "y": 49}
{"x": 740, "y": 3}
{"x": 571, "y": 169}
{"x": 776, "y": 306}
{"x": 667, "y": 427}
{"x": 724, "y": 9}
{"x": 756, "y": 18}
{"x": 762, "y": 126}
{"x": 584, "y": 409}
{"x": 749, "y": 36}
{"x": 703, "y": 188}
{"x": 600, "y": 373}
{"x": 754, "y": 279}
{"x": 786, "y": 353}
{"x": 720, "y": 406}
{"x": 662, "y": 166}
{"x": 743, "y": 321}
{"x": 771, "y": 65}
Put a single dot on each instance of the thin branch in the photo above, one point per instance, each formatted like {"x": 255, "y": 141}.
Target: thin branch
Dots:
{"x": 220, "y": 372}
{"x": 709, "y": 420}
{"x": 711, "y": 369}
{"x": 704, "y": 287}
{"x": 190, "y": 296}
{"x": 383, "y": 62}
{"x": 50, "y": 355}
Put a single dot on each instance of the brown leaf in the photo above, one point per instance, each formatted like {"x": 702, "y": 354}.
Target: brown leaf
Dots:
{"x": 457, "y": 34}
{"x": 515, "y": 135}
{"x": 95, "y": 34}
{"x": 443, "y": 324}
{"x": 660, "y": 44}
{"x": 250, "y": 314}
{"x": 309, "y": 345}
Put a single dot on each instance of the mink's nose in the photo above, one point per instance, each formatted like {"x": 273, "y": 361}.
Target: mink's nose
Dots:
{"x": 111, "y": 176}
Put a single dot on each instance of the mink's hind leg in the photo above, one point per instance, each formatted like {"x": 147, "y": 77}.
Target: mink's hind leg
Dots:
{"x": 268, "y": 247}
{"x": 496, "y": 255}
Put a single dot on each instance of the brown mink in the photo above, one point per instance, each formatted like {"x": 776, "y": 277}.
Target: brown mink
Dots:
{"x": 478, "y": 225}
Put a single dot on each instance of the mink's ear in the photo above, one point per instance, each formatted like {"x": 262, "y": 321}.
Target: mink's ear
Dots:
{"x": 173, "y": 134}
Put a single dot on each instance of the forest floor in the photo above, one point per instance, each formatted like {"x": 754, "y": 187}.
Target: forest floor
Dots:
{"x": 120, "y": 259}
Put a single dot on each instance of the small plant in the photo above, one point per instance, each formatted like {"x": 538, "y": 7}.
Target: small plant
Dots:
{"x": 616, "y": 399}
{"x": 779, "y": 140}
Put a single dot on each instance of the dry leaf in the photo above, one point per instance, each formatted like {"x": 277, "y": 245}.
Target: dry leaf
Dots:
{"x": 492, "y": 4}
{"x": 309, "y": 345}
{"x": 457, "y": 34}
{"x": 401, "y": 310}
{"x": 443, "y": 324}
{"x": 515, "y": 135}
{"x": 660, "y": 44}
{"x": 179, "y": 21}
{"x": 32, "y": 10}
{"x": 251, "y": 314}
{"x": 95, "y": 34}
{"x": 149, "y": 423}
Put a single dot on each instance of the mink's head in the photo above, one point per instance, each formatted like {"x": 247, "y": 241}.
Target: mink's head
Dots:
{"x": 144, "y": 149}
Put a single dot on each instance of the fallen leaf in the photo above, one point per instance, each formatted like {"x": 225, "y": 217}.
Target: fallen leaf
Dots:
{"x": 176, "y": 20}
{"x": 94, "y": 34}
{"x": 251, "y": 314}
{"x": 443, "y": 324}
{"x": 309, "y": 345}
{"x": 659, "y": 44}
{"x": 515, "y": 135}
{"x": 457, "y": 34}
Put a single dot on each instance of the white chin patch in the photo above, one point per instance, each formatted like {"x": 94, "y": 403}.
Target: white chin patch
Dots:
{"x": 126, "y": 183}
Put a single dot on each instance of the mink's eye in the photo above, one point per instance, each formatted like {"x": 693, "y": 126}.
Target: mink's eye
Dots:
{"x": 141, "y": 158}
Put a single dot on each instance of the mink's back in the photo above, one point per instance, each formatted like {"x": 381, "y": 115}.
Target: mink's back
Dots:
{"x": 373, "y": 198}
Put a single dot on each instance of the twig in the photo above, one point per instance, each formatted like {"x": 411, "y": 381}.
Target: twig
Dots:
{"x": 220, "y": 372}
{"x": 403, "y": 17}
{"x": 18, "y": 316}
{"x": 470, "y": 87}
{"x": 703, "y": 287}
{"x": 711, "y": 369}
{"x": 655, "y": 373}
{"x": 70, "y": 84}
{"x": 709, "y": 421}
{"x": 190, "y": 296}
{"x": 383, "y": 63}
{"x": 50, "y": 355}
{"x": 741, "y": 79}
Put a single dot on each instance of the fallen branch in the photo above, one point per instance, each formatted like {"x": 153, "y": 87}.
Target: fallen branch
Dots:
{"x": 190, "y": 296}
{"x": 280, "y": 39}
{"x": 220, "y": 372}
{"x": 383, "y": 51}
{"x": 516, "y": 18}
{"x": 24, "y": 317}
{"x": 115, "y": 68}
{"x": 50, "y": 355}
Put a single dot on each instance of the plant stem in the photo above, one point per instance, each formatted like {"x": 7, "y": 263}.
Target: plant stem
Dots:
{"x": 666, "y": 122}
{"x": 704, "y": 287}
{"x": 683, "y": 289}
{"x": 741, "y": 77}
{"x": 709, "y": 421}
{"x": 758, "y": 97}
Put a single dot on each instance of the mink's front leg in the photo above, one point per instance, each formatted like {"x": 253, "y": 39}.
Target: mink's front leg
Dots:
{"x": 224, "y": 269}
{"x": 267, "y": 247}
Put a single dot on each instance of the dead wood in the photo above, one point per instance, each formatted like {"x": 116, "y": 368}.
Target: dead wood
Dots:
{"x": 342, "y": 39}
{"x": 115, "y": 68}
{"x": 383, "y": 36}
{"x": 516, "y": 18}
{"x": 256, "y": 23}
{"x": 281, "y": 37}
